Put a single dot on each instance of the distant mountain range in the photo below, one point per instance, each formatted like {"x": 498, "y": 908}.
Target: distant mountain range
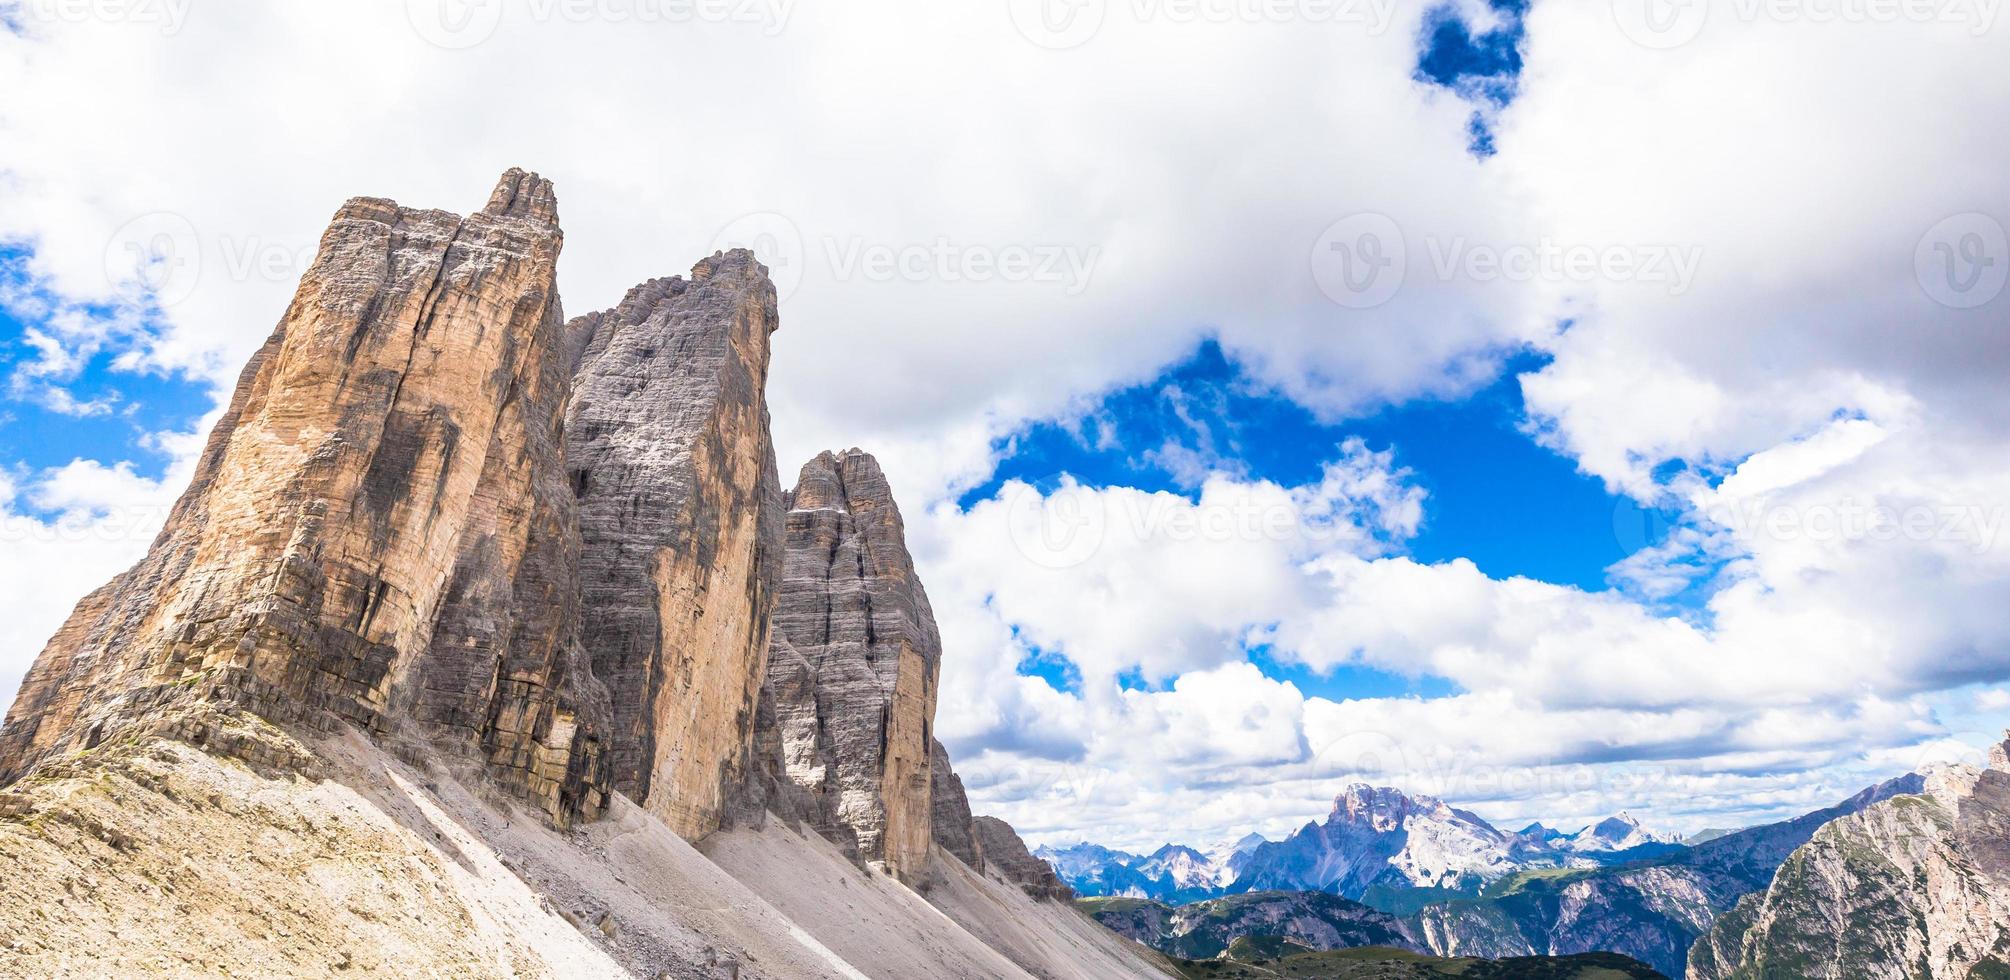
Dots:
{"x": 1376, "y": 841}
{"x": 1412, "y": 872}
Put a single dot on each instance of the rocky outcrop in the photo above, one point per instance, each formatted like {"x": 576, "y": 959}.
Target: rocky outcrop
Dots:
{"x": 679, "y": 514}
{"x": 379, "y": 528}
{"x": 856, "y": 662}
{"x": 1006, "y": 857}
{"x": 1915, "y": 887}
{"x": 447, "y": 554}
{"x": 949, "y": 817}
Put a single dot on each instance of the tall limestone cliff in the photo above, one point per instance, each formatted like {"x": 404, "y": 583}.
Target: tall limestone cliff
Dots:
{"x": 1916, "y": 887}
{"x": 856, "y": 662}
{"x": 679, "y": 512}
{"x": 379, "y": 528}
{"x": 949, "y": 818}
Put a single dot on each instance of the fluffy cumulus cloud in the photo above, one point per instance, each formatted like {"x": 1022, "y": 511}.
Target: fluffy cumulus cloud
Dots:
{"x": 67, "y": 530}
{"x": 1762, "y": 252}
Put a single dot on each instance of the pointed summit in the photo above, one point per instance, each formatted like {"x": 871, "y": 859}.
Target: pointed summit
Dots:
{"x": 519, "y": 194}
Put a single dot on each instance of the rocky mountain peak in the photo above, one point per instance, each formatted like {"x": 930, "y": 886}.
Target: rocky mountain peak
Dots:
{"x": 379, "y": 530}
{"x": 1380, "y": 807}
{"x": 448, "y": 556}
{"x": 854, "y": 670}
{"x": 671, "y": 463}
{"x": 524, "y": 195}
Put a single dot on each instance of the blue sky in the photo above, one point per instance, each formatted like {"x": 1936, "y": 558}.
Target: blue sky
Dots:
{"x": 130, "y": 404}
{"x": 1495, "y": 496}
{"x": 1810, "y": 365}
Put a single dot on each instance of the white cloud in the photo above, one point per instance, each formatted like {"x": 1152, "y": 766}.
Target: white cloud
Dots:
{"x": 68, "y": 530}
{"x": 1803, "y": 162}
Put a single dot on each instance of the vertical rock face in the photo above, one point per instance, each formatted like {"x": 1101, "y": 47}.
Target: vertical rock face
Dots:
{"x": 1006, "y": 856}
{"x": 1917, "y": 886}
{"x": 379, "y": 528}
{"x": 679, "y": 514}
{"x": 856, "y": 662}
{"x": 950, "y": 816}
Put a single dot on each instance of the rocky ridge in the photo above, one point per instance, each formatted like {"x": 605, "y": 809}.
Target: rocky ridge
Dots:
{"x": 857, "y": 662}
{"x": 378, "y": 531}
{"x": 447, "y": 554}
{"x": 669, "y": 457}
{"x": 1915, "y": 886}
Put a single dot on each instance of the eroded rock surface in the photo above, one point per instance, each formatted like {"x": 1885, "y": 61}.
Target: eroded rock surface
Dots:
{"x": 1915, "y": 887}
{"x": 1005, "y": 855}
{"x": 950, "y": 818}
{"x": 679, "y": 514}
{"x": 379, "y": 527}
{"x": 855, "y": 684}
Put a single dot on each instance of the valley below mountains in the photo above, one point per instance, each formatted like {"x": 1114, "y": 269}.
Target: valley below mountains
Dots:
{"x": 1913, "y": 865}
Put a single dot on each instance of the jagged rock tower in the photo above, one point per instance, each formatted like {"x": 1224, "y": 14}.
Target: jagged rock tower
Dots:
{"x": 855, "y": 664}
{"x": 680, "y": 514}
{"x": 379, "y": 528}
{"x": 557, "y": 552}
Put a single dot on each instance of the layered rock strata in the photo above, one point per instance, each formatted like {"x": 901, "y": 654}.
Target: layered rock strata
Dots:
{"x": 680, "y": 517}
{"x": 379, "y": 528}
{"x": 1915, "y": 887}
{"x": 856, "y": 662}
{"x": 949, "y": 811}
{"x": 1005, "y": 856}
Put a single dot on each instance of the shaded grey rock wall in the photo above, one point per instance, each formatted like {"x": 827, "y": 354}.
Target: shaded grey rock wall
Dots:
{"x": 858, "y": 656}
{"x": 679, "y": 515}
{"x": 949, "y": 817}
{"x": 1005, "y": 855}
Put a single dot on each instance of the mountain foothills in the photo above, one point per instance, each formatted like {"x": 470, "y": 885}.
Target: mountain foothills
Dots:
{"x": 484, "y": 642}
{"x": 1921, "y": 863}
